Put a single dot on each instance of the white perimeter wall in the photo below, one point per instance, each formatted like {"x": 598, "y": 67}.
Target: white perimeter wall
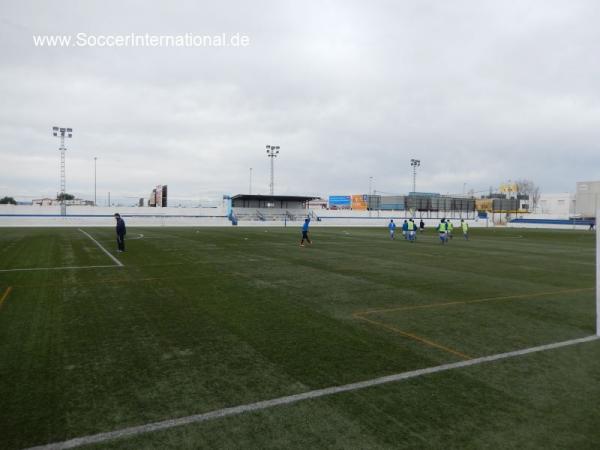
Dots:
{"x": 348, "y": 218}
{"x": 82, "y": 216}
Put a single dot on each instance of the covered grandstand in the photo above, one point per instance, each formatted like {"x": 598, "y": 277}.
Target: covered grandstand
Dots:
{"x": 247, "y": 207}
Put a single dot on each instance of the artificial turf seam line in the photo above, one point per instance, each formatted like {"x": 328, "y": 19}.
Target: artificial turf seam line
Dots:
{"x": 466, "y": 302}
{"x": 361, "y": 316}
{"x": 29, "y": 269}
{"x": 119, "y": 263}
{"x": 265, "y": 404}
{"x": 414, "y": 337}
{"x": 5, "y": 295}
{"x": 104, "y": 281}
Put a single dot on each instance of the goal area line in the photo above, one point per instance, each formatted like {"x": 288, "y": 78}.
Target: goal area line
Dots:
{"x": 291, "y": 399}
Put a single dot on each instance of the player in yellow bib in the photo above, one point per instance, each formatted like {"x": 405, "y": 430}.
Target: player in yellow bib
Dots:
{"x": 465, "y": 229}
{"x": 443, "y": 231}
{"x": 412, "y": 230}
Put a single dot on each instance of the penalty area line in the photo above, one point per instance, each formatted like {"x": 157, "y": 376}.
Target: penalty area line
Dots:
{"x": 265, "y": 404}
{"x": 119, "y": 263}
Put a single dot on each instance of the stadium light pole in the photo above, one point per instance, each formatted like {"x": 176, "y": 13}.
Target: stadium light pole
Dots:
{"x": 415, "y": 163}
{"x": 250, "y": 188}
{"x": 62, "y": 134}
{"x": 272, "y": 152}
{"x": 95, "y": 159}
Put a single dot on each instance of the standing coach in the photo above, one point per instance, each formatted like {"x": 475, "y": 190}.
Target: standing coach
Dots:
{"x": 121, "y": 232}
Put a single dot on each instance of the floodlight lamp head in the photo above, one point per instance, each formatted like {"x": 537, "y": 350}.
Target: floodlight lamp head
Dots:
{"x": 62, "y": 132}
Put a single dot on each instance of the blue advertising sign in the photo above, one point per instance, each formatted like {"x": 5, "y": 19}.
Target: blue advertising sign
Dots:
{"x": 340, "y": 200}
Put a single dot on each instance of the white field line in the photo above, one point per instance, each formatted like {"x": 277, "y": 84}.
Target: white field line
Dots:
{"x": 139, "y": 236}
{"x": 56, "y": 268}
{"x": 119, "y": 263}
{"x": 265, "y": 404}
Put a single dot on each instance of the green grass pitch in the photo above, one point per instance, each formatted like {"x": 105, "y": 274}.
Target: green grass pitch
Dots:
{"x": 203, "y": 319}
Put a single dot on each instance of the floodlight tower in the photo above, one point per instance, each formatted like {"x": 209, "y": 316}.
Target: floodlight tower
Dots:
{"x": 415, "y": 163}
{"x": 272, "y": 152}
{"x": 62, "y": 133}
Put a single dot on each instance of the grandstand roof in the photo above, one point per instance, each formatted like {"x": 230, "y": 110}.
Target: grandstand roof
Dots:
{"x": 284, "y": 198}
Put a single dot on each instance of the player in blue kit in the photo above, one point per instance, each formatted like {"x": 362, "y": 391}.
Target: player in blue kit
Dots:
{"x": 305, "y": 237}
{"x": 392, "y": 228}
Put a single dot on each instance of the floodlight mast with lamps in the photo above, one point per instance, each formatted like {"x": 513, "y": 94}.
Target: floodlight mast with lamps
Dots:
{"x": 415, "y": 163}
{"x": 62, "y": 133}
{"x": 272, "y": 152}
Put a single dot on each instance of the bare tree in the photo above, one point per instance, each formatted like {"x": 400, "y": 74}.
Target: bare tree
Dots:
{"x": 528, "y": 187}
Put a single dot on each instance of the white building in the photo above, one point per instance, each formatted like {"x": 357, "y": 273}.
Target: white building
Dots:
{"x": 45, "y": 202}
{"x": 53, "y": 202}
{"x": 588, "y": 193}
{"x": 560, "y": 205}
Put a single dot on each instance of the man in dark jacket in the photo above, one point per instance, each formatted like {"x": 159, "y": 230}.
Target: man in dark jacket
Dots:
{"x": 121, "y": 232}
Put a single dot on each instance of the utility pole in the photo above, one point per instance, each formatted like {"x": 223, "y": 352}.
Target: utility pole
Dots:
{"x": 95, "y": 159}
{"x": 370, "y": 194}
{"x": 250, "y": 189}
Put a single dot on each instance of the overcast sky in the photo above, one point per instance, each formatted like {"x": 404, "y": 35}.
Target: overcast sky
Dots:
{"x": 481, "y": 92}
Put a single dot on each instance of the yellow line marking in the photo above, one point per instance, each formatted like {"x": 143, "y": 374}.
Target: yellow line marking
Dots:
{"x": 413, "y": 336}
{"x": 5, "y": 296}
{"x": 361, "y": 315}
{"x": 466, "y": 302}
